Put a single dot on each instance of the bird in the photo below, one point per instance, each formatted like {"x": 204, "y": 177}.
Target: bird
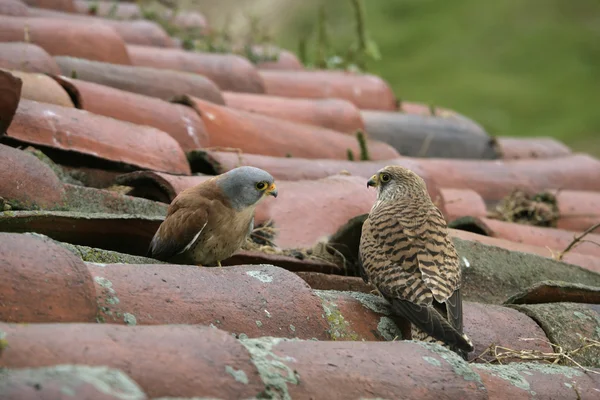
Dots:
{"x": 207, "y": 223}
{"x": 405, "y": 251}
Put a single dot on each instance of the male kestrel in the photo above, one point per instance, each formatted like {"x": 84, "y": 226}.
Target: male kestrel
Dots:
{"x": 407, "y": 254}
{"x": 207, "y": 223}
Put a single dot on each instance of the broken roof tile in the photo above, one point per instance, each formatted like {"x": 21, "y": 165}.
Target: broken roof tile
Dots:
{"x": 228, "y": 71}
{"x": 514, "y": 148}
{"x": 10, "y": 94}
{"x": 49, "y": 285}
{"x": 364, "y": 90}
{"x": 261, "y": 134}
{"x": 62, "y": 37}
{"x": 181, "y": 122}
{"x": 142, "y": 32}
{"x": 42, "y": 88}
{"x": 26, "y": 57}
{"x": 462, "y": 202}
{"x": 555, "y": 239}
{"x": 336, "y": 114}
{"x": 64, "y": 382}
{"x": 557, "y": 292}
{"x": 93, "y": 135}
{"x": 108, "y": 9}
{"x": 429, "y": 136}
{"x": 154, "y": 82}
{"x": 13, "y": 7}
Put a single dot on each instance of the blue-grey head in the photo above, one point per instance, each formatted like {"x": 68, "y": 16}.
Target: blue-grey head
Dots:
{"x": 245, "y": 186}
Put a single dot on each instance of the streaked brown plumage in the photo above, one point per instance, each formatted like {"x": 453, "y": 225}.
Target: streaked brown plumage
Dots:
{"x": 406, "y": 253}
{"x": 207, "y": 223}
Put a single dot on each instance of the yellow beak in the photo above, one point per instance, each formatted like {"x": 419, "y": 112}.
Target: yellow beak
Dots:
{"x": 373, "y": 181}
{"x": 271, "y": 190}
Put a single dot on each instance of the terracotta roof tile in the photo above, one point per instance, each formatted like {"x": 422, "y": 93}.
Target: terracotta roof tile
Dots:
{"x": 228, "y": 71}
{"x": 429, "y": 136}
{"x": 105, "y": 125}
{"x": 75, "y": 130}
{"x": 154, "y": 82}
{"x": 140, "y": 32}
{"x": 336, "y": 114}
{"x": 26, "y": 57}
{"x": 260, "y": 134}
{"x": 15, "y": 8}
{"x": 364, "y": 90}
{"x": 179, "y": 121}
{"x": 69, "y": 38}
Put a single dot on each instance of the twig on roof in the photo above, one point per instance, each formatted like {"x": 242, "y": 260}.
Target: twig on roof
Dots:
{"x": 578, "y": 240}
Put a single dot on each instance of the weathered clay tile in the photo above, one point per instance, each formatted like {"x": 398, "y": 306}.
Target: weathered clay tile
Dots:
{"x": 578, "y": 210}
{"x": 429, "y": 136}
{"x": 42, "y": 88}
{"x": 60, "y": 5}
{"x": 260, "y": 134}
{"x": 64, "y": 382}
{"x": 15, "y": 8}
{"x": 73, "y": 38}
{"x": 120, "y": 10}
{"x": 142, "y": 32}
{"x": 10, "y": 94}
{"x": 513, "y": 148}
{"x": 228, "y": 71}
{"x": 285, "y": 59}
{"x": 153, "y": 82}
{"x": 26, "y": 57}
{"x": 364, "y": 90}
{"x": 43, "y": 282}
{"x": 241, "y": 300}
{"x": 322, "y": 281}
{"x": 288, "y": 262}
{"x": 124, "y": 233}
{"x": 38, "y": 186}
{"x": 189, "y": 20}
{"x": 97, "y": 136}
{"x": 336, "y": 114}
{"x": 557, "y": 292}
{"x": 555, "y": 239}
{"x": 586, "y": 261}
{"x": 179, "y": 121}
{"x": 461, "y": 203}
{"x": 293, "y": 168}
{"x": 194, "y": 360}
{"x": 568, "y": 325}
{"x": 537, "y": 380}
{"x": 495, "y": 179}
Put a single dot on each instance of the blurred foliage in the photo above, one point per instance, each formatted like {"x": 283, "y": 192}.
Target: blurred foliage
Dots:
{"x": 520, "y": 68}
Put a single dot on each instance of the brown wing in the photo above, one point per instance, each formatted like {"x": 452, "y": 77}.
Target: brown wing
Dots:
{"x": 187, "y": 216}
{"x": 406, "y": 253}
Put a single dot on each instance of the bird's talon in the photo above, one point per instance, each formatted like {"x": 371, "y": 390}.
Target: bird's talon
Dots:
{"x": 219, "y": 264}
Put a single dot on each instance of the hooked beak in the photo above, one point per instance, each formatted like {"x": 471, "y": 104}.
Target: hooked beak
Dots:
{"x": 272, "y": 190}
{"x": 372, "y": 181}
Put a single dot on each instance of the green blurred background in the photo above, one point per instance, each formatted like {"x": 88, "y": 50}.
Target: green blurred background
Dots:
{"x": 518, "y": 67}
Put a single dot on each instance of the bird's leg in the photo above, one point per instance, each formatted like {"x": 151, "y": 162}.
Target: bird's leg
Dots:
{"x": 219, "y": 264}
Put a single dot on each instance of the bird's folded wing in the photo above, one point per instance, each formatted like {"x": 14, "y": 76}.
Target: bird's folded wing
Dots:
{"x": 430, "y": 321}
{"x": 179, "y": 230}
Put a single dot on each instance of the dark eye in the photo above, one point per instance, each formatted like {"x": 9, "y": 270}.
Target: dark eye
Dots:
{"x": 261, "y": 185}
{"x": 385, "y": 177}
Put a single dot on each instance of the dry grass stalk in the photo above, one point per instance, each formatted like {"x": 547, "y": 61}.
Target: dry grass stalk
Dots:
{"x": 578, "y": 239}
{"x": 559, "y": 357}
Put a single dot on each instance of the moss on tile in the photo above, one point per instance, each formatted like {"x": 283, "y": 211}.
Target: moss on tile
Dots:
{"x": 492, "y": 274}
{"x": 57, "y": 169}
{"x": 566, "y": 325}
{"x": 273, "y": 370}
{"x": 3, "y": 341}
{"x": 339, "y": 328}
{"x": 238, "y": 375}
